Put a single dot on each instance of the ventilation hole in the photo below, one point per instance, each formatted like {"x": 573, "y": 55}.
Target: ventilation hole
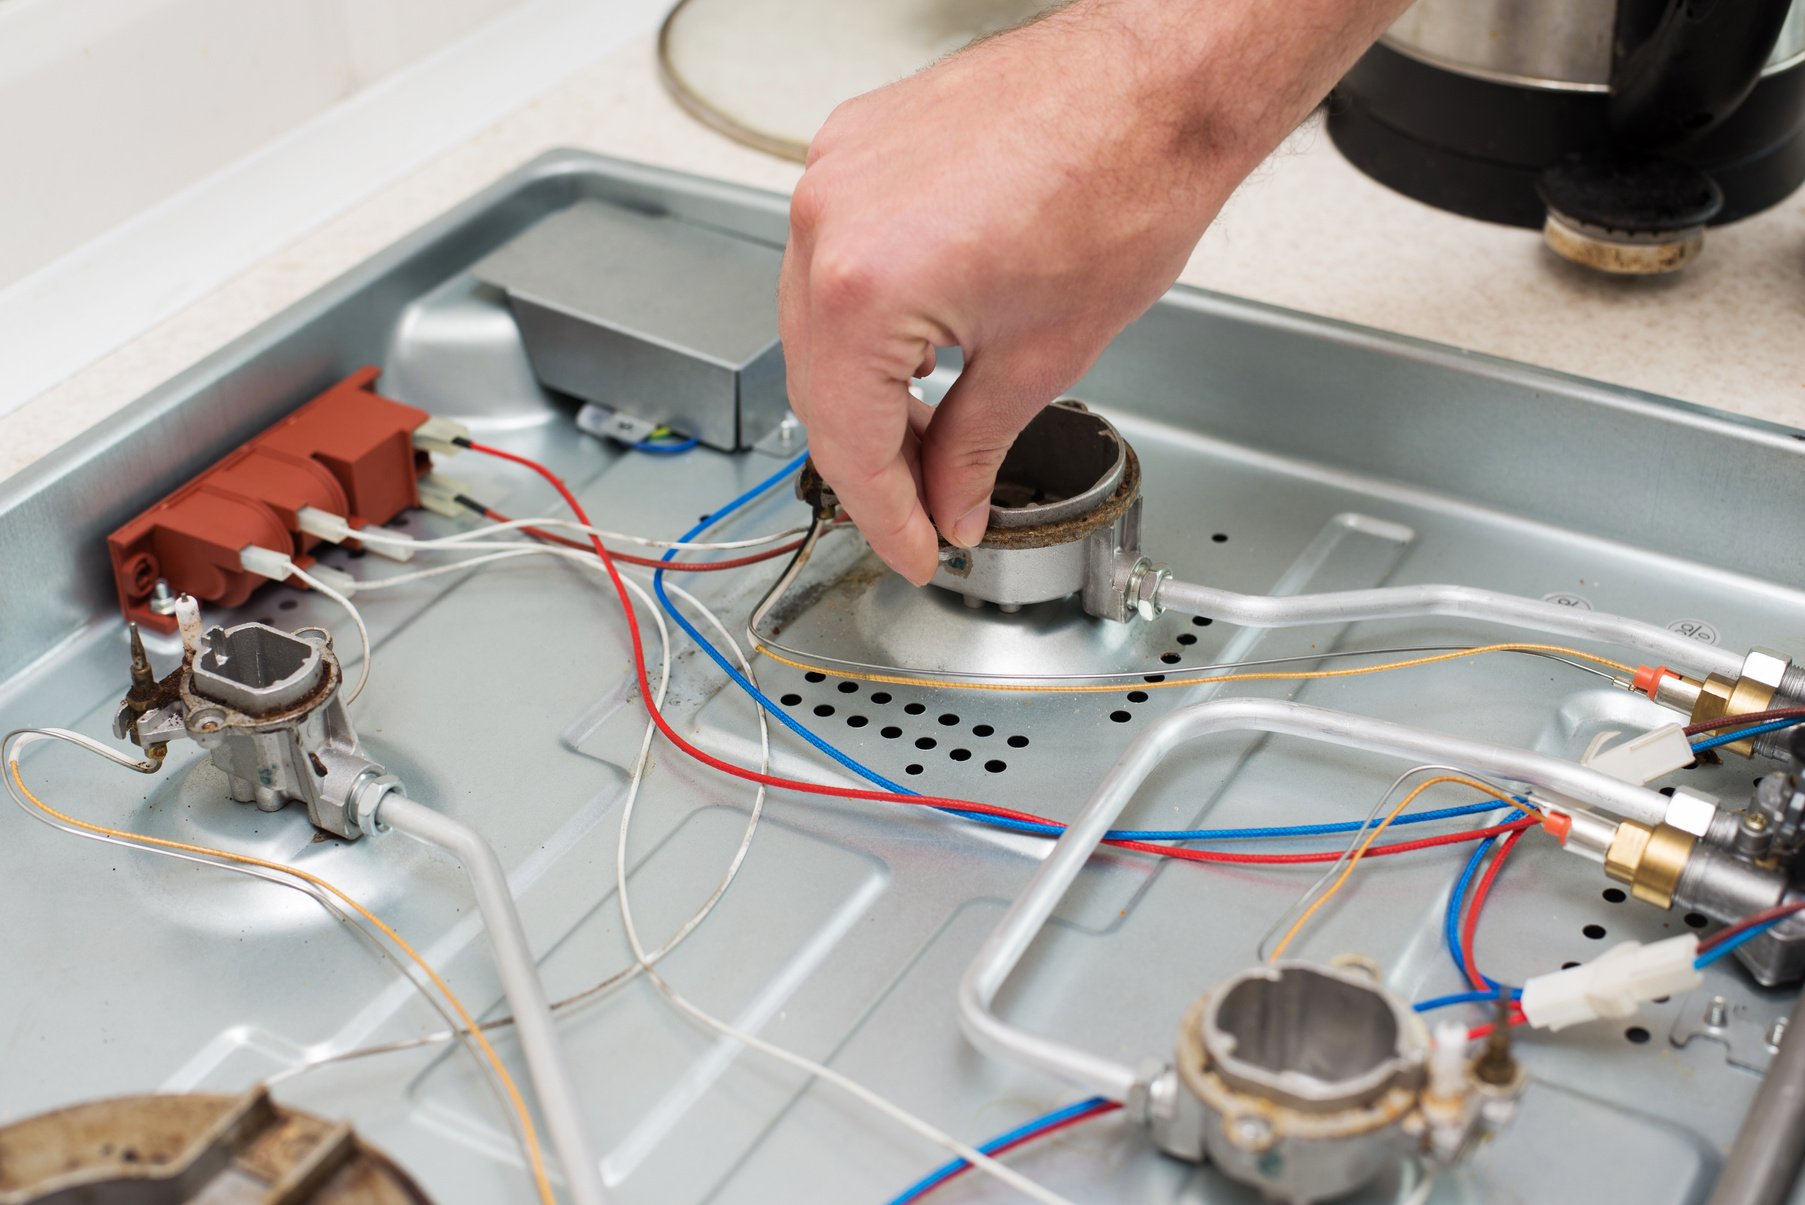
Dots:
{"x": 815, "y": 676}
{"x": 1667, "y": 791}
{"x": 265, "y": 620}
{"x": 925, "y": 742}
{"x": 358, "y": 554}
{"x": 1595, "y": 932}
{"x": 1202, "y": 621}
{"x": 1697, "y": 920}
{"x": 1660, "y": 999}
{"x": 881, "y": 697}
{"x": 824, "y": 709}
{"x": 912, "y": 769}
{"x": 1220, "y": 537}
{"x": 982, "y": 730}
{"x": 1169, "y": 658}
{"x": 1615, "y": 895}
{"x": 289, "y": 604}
{"x": 959, "y": 754}
{"x": 949, "y": 720}
{"x": 790, "y": 700}
{"x": 996, "y": 765}
{"x": 1154, "y": 678}
{"x": 1121, "y": 717}
{"x": 890, "y": 732}
{"x": 1187, "y": 638}
{"x": 1018, "y": 742}
{"x": 1137, "y": 696}
{"x": 916, "y": 708}
{"x": 856, "y": 721}
{"x": 1636, "y": 1034}
{"x": 1568, "y": 966}
{"x": 848, "y": 688}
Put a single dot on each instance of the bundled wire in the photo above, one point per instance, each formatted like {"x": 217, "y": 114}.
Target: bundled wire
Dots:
{"x": 1743, "y": 734}
{"x": 1040, "y": 1127}
{"x": 1745, "y": 930}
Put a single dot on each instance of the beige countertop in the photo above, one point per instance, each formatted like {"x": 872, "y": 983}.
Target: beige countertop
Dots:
{"x": 1306, "y": 231}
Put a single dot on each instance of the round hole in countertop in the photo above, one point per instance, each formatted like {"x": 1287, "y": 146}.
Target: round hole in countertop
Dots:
{"x": 1169, "y": 658}
{"x": 1018, "y": 742}
{"x": 996, "y": 765}
{"x": 1121, "y": 717}
{"x": 912, "y": 769}
{"x": 790, "y": 700}
{"x": 814, "y": 676}
{"x": 824, "y": 709}
{"x": 982, "y": 730}
{"x": 881, "y": 697}
{"x": 959, "y": 754}
{"x": 1137, "y": 696}
{"x": 857, "y": 721}
{"x": 847, "y": 688}
{"x": 1615, "y": 895}
{"x": 890, "y": 732}
{"x": 1595, "y": 932}
{"x": 925, "y": 742}
{"x": 1636, "y": 1034}
{"x": 1697, "y": 920}
{"x": 915, "y": 708}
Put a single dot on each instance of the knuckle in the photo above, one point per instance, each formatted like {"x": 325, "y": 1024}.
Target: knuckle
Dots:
{"x": 807, "y": 205}
{"x": 844, "y": 278}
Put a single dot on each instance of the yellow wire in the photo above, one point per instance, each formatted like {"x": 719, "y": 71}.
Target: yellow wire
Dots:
{"x": 1366, "y": 844}
{"x": 536, "y": 1157}
{"x": 1264, "y": 676}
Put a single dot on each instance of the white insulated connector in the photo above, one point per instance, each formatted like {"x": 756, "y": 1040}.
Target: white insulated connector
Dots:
{"x": 335, "y": 529}
{"x": 279, "y": 567}
{"x": 1626, "y": 975}
{"x": 438, "y": 434}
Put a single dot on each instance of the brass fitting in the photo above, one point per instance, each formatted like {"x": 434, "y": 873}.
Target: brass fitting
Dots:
{"x": 1752, "y": 690}
{"x": 1649, "y": 860}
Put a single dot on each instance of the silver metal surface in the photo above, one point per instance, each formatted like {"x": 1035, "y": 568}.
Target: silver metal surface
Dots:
{"x": 1556, "y": 44}
{"x": 666, "y": 320}
{"x": 1395, "y": 463}
{"x": 1763, "y": 1166}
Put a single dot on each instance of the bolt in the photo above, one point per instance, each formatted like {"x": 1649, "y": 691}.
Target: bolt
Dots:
{"x": 1776, "y": 1033}
{"x": 1717, "y": 1013}
{"x": 786, "y": 430}
{"x": 162, "y": 602}
{"x": 1755, "y": 822}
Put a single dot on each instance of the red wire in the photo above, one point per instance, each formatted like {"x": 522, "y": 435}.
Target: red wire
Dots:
{"x": 933, "y": 801}
{"x": 1097, "y": 1110}
{"x": 1737, "y": 721}
{"x": 1471, "y": 925}
{"x": 1481, "y": 1031}
{"x": 649, "y": 562}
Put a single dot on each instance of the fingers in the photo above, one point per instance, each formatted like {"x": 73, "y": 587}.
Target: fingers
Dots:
{"x": 971, "y": 432}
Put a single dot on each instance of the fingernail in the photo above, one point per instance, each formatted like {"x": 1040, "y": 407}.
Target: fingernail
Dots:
{"x": 969, "y": 530}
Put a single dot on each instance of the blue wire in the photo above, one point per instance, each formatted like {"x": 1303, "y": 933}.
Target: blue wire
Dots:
{"x": 1296, "y": 830}
{"x": 1750, "y": 934}
{"x": 1456, "y": 998}
{"x": 1730, "y": 738}
{"x": 1451, "y": 920}
{"x": 666, "y": 449}
{"x": 941, "y": 1174}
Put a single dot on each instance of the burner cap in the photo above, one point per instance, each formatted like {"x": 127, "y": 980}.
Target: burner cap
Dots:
{"x": 1627, "y": 216}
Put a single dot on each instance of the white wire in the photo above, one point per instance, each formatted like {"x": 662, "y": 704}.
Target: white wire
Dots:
{"x": 377, "y": 535}
{"x": 896, "y": 1113}
{"x": 1424, "y": 1186}
{"x": 363, "y": 633}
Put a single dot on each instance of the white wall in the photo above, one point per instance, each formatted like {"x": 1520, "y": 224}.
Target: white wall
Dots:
{"x": 110, "y": 106}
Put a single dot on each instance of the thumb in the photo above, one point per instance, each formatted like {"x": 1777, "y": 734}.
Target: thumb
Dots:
{"x": 971, "y": 432}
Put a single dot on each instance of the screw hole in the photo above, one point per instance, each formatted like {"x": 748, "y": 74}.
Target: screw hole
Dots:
{"x": 1636, "y": 1034}
{"x": 1187, "y": 638}
{"x": 1615, "y": 895}
{"x": 824, "y": 709}
{"x": 1137, "y": 696}
{"x": 890, "y": 732}
{"x": 1667, "y": 791}
{"x": 1154, "y": 678}
{"x": 996, "y": 765}
{"x": 959, "y": 754}
{"x": 916, "y": 708}
{"x": 1018, "y": 742}
{"x": 790, "y": 700}
{"x": 847, "y": 688}
{"x": 1121, "y": 717}
{"x": 1202, "y": 621}
{"x": 856, "y": 721}
{"x": 1169, "y": 658}
{"x": 1595, "y": 932}
{"x": 287, "y": 604}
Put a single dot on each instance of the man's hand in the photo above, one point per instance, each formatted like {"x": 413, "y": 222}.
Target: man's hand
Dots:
{"x": 1023, "y": 200}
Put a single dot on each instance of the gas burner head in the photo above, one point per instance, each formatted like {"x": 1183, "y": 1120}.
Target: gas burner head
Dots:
{"x": 1628, "y": 217}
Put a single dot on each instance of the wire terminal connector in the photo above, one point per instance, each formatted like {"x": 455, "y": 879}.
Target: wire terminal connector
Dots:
{"x": 1626, "y": 976}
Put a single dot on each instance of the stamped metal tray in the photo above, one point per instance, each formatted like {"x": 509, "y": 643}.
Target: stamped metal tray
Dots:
{"x": 1281, "y": 453}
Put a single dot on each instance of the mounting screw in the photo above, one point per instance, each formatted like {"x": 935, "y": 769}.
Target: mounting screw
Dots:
{"x": 1755, "y": 822}
{"x": 1776, "y": 1033}
{"x": 162, "y": 602}
{"x": 1717, "y": 1013}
